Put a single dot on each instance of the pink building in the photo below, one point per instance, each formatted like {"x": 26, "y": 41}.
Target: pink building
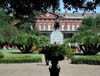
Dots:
{"x": 69, "y": 22}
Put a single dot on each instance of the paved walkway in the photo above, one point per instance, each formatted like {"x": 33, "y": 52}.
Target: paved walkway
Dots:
{"x": 39, "y": 69}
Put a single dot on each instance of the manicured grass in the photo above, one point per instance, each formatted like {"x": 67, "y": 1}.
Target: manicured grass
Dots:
{"x": 1, "y": 55}
{"x": 15, "y": 56}
{"x": 81, "y": 59}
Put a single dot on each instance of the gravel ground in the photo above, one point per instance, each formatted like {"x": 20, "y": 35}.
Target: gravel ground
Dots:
{"x": 40, "y": 69}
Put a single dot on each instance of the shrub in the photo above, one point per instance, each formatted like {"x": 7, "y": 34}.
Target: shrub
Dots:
{"x": 15, "y": 56}
{"x": 1, "y": 55}
{"x": 54, "y": 52}
{"x": 69, "y": 53}
{"x": 21, "y": 59}
{"x": 86, "y": 60}
{"x": 57, "y": 52}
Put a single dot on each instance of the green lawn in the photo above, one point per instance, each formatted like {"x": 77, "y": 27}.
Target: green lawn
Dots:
{"x": 15, "y": 56}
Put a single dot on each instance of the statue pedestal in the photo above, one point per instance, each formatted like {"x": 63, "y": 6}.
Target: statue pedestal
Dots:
{"x": 56, "y": 37}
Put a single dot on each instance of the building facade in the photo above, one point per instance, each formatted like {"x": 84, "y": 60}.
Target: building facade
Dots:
{"x": 68, "y": 22}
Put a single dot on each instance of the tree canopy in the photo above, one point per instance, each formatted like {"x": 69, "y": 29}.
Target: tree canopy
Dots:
{"x": 9, "y": 31}
{"x": 23, "y": 7}
{"x": 92, "y": 23}
{"x": 89, "y": 42}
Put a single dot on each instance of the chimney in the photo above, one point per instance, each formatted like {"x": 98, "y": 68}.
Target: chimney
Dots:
{"x": 65, "y": 13}
{"x": 84, "y": 13}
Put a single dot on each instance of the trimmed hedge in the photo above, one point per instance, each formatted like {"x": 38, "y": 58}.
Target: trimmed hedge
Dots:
{"x": 95, "y": 60}
{"x": 1, "y": 55}
{"x": 21, "y": 59}
{"x": 15, "y": 56}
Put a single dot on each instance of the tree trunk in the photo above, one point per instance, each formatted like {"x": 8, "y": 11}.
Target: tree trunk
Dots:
{"x": 24, "y": 48}
{"x": 90, "y": 49}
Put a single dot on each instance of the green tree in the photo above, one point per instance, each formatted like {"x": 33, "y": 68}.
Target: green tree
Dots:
{"x": 97, "y": 21}
{"x": 8, "y": 33}
{"x": 89, "y": 42}
{"x": 4, "y": 18}
{"x": 25, "y": 41}
{"x": 7, "y": 30}
{"x": 91, "y": 23}
{"x": 89, "y": 36}
{"x": 1, "y": 37}
{"x": 28, "y": 7}
{"x": 28, "y": 25}
{"x": 43, "y": 41}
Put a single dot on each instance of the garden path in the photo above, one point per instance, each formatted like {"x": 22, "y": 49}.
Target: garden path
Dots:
{"x": 40, "y": 69}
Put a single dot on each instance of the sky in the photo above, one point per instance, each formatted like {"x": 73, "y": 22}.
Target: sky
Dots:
{"x": 62, "y": 9}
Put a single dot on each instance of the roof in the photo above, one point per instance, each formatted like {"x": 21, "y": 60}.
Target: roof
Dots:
{"x": 69, "y": 15}
{"x": 78, "y": 15}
